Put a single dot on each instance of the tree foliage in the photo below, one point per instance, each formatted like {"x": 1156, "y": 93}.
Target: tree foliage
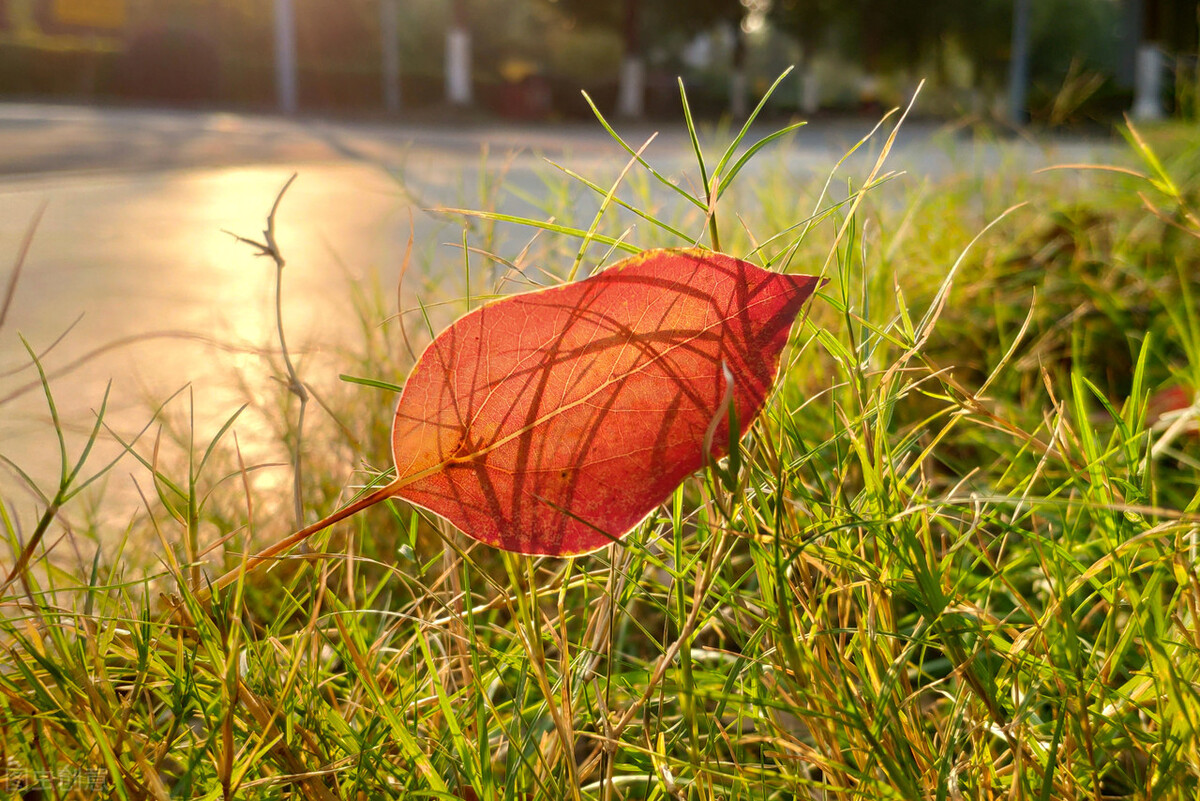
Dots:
{"x": 883, "y": 35}
{"x": 652, "y": 21}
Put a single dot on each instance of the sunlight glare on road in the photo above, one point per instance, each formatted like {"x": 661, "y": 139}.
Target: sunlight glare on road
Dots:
{"x": 146, "y": 260}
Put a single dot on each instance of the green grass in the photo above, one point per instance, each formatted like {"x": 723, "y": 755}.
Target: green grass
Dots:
{"x": 957, "y": 560}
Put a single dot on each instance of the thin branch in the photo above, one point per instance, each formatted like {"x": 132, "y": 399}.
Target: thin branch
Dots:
{"x": 270, "y": 248}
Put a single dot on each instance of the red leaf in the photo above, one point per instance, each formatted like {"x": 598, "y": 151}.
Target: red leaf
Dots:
{"x": 552, "y": 422}
{"x": 1172, "y": 399}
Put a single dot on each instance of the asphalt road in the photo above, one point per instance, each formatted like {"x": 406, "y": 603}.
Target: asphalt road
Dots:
{"x": 38, "y": 139}
{"x": 132, "y": 259}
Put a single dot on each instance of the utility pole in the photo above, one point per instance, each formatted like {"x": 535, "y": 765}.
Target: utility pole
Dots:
{"x": 389, "y": 27}
{"x": 285, "y": 56}
{"x": 631, "y": 88}
{"x": 1018, "y": 66}
{"x": 458, "y": 56}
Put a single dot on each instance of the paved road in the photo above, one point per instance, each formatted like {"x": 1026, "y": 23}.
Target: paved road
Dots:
{"x": 131, "y": 248}
{"x": 38, "y": 139}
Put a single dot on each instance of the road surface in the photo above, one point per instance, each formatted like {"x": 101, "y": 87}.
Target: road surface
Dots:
{"x": 132, "y": 259}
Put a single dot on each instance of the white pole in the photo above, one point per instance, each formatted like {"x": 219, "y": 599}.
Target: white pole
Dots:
{"x": 631, "y": 88}
{"x": 1148, "y": 83}
{"x": 389, "y": 26}
{"x": 458, "y": 66}
{"x": 285, "y": 56}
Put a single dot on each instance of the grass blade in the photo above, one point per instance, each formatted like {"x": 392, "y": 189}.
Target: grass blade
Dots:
{"x": 661, "y": 178}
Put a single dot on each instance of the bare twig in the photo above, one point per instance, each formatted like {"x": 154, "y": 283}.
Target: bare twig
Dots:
{"x": 270, "y": 248}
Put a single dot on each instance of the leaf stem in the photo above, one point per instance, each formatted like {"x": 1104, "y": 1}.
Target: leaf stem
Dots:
{"x": 276, "y": 548}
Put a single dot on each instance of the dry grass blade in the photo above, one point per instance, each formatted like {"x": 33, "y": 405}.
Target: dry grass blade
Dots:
{"x": 10, "y": 289}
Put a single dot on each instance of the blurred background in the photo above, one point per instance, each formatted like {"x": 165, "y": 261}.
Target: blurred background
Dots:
{"x": 135, "y": 135}
{"x": 1053, "y": 61}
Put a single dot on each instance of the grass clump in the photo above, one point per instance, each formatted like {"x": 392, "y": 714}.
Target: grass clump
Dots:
{"x": 955, "y": 559}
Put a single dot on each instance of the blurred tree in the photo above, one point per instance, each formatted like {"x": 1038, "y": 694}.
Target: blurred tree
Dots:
{"x": 627, "y": 17}
{"x": 703, "y": 16}
{"x": 389, "y": 40}
{"x": 883, "y": 35}
{"x": 878, "y": 33}
{"x": 645, "y": 22}
{"x": 1173, "y": 23}
{"x": 813, "y": 24}
{"x": 431, "y": 35}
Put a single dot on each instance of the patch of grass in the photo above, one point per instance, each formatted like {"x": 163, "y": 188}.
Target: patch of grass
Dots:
{"x": 957, "y": 561}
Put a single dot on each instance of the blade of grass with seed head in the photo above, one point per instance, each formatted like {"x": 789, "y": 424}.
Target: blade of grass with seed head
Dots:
{"x": 662, "y": 179}
{"x": 719, "y": 170}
